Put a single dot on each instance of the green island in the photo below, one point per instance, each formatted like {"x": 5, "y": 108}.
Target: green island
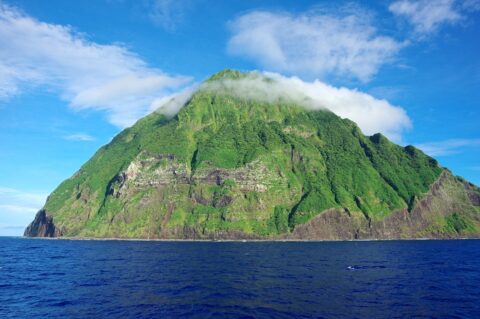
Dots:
{"x": 228, "y": 166}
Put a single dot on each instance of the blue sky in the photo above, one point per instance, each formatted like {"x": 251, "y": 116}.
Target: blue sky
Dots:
{"x": 74, "y": 73}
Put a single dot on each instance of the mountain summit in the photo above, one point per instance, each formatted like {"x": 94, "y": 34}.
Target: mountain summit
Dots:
{"x": 238, "y": 162}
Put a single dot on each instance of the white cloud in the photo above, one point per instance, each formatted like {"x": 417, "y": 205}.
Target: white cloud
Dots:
{"x": 314, "y": 43}
{"x": 426, "y": 16}
{"x": 86, "y": 74}
{"x": 372, "y": 115}
{"x": 81, "y": 137}
{"x": 18, "y": 208}
{"x": 447, "y": 147}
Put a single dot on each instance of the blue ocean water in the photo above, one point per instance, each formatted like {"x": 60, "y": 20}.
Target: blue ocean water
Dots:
{"x": 138, "y": 279}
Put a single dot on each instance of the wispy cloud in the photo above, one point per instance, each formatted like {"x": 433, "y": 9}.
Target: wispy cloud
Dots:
{"x": 168, "y": 13}
{"x": 471, "y": 5}
{"x": 18, "y": 208}
{"x": 372, "y": 115}
{"x": 12, "y": 227}
{"x": 448, "y": 147}
{"x": 81, "y": 137}
{"x": 318, "y": 43}
{"x": 171, "y": 105}
{"x": 17, "y": 197}
{"x": 427, "y": 16}
{"x": 11, "y": 230}
{"x": 87, "y": 74}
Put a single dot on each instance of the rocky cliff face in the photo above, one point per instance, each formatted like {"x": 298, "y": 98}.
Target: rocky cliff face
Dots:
{"x": 42, "y": 226}
{"x": 448, "y": 210}
{"x": 232, "y": 167}
{"x": 436, "y": 215}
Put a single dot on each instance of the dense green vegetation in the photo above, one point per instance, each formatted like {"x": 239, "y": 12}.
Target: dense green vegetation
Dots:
{"x": 230, "y": 164}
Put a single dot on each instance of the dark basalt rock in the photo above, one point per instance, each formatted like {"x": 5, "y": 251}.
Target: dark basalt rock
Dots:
{"x": 42, "y": 226}
{"x": 474, "y": 198}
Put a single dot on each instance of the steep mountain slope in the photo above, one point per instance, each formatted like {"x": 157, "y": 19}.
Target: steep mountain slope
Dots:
{"x": 229, "y": 166}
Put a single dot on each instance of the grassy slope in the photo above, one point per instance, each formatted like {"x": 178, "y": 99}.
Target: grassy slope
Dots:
{"x": 310, "y": 160}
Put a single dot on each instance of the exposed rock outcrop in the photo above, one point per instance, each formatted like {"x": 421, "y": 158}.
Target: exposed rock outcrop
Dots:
{"x": 439, "y": 203}
{"x": 42, "y": 226}
{"x": 444, "y": 199}
{"x": 163, "y": 169}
